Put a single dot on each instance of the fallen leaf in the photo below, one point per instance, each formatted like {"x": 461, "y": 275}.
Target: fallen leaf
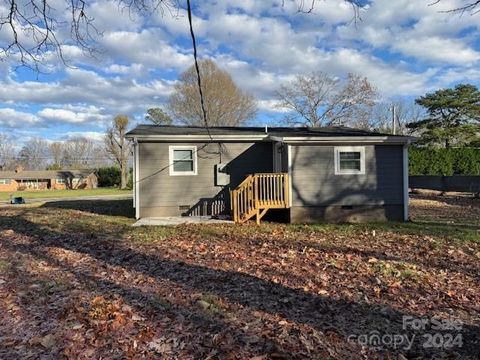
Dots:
{"x": 48, "y": 341}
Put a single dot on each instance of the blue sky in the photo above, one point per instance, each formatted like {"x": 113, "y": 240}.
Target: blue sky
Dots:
{"x": 404, "y": 47}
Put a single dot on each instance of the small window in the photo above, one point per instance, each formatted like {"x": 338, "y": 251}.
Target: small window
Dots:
{"x": 60, "y": 181}
{"x": 349, "y": 160}
{"x": 183, "y": 160}
{"x": 5, "y": 181}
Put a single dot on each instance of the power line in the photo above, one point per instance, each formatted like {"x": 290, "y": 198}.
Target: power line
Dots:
{"x": 197, "y": 68}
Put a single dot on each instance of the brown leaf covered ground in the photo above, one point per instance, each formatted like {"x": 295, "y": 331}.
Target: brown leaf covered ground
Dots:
{"x": 77, "y": 281}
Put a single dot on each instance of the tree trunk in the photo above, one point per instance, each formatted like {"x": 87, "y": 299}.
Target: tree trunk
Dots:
{"x": 123, "y": 175}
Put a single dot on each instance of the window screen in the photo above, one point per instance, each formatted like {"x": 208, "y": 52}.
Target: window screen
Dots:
{"x": 350, "y": 160}
{"x": 183, "y": 161}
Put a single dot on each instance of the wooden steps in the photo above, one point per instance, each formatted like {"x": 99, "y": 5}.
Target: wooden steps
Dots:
{"x": 257, "y": 194}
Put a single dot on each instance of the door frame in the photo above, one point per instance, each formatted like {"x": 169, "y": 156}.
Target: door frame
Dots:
{"x": 277, "y": 156}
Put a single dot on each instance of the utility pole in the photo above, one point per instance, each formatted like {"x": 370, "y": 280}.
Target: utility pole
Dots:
{"x": 394, "y": 122}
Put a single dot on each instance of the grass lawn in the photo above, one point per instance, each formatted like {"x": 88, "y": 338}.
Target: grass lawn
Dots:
{"x": 77, "y": 281}
{"x": 39, "y": 194}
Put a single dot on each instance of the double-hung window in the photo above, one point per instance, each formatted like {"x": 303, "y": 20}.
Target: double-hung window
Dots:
{"x": 183, "y": 160}
{"x": 60, "y": 181}
{"x": 4, "y": 181}
{"x": 349, "y": 160}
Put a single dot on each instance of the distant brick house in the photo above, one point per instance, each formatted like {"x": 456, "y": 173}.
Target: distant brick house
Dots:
{"x": 49, "y": 179}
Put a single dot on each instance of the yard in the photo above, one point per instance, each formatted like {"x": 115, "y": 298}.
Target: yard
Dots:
{"x": 77, "y": 281}
{"x": 43, "y": 194}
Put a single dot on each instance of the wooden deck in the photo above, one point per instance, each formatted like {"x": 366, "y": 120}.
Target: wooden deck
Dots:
{"x": 257, "y": 194}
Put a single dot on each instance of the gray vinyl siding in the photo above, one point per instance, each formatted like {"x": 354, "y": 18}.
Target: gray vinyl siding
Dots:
{"x": 314, "y": 183}
{"x": 162, "y": 194}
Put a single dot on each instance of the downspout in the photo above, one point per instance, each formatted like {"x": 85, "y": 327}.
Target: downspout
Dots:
{"x": 290, "y": 177}
{"x": 136, "y": 179}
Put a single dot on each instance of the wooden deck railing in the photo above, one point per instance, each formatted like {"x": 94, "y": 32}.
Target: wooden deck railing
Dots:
{"x": 257, "y": 194}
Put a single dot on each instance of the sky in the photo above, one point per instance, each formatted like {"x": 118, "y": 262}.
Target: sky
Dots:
{"x": 404, "y": 47}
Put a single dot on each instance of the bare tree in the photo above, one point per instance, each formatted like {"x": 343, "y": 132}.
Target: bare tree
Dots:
{"x": 56, "y": 154}
{"x": 7, "y": 153}
{"x": 405, "y": 112}
{"x": 35, "y": 28}
{"x": 34, "y": 154}
{"x": 465, "y": 6}
{"x": 118, "y": 147}
{"x": 225, "y": 102}
{"x": 319, "y": 99}
{"x": 100, "y": 157}
{"x": 78, "y": 152}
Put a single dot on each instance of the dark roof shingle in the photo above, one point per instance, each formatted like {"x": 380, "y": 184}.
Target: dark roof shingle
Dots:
{"x": 245, "y": 130}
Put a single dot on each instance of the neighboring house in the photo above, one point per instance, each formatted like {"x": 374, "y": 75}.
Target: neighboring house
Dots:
{"x": 304, "y": 174}
{"x": 49, "y": 179}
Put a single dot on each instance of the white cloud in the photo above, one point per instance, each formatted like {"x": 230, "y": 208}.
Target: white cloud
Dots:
{"x": 88, "y": 115}
{"x": 12, "y": 118}
{"x": 147, "y": 47}
{"x": 131, "y": 70}
{"x": 114, "y": 16}
{"x": 435, "y": 48}
{"x": 87, "y": 87}
{"x": 404, "y": 47}
{"x": 91, "y": 135}
{"x": 455, "y": 75}
{"x": 417, "y": 29}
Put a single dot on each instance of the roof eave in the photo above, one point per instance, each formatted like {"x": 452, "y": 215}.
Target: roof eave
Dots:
{"x": 346, "y": 139}
{"x": 285, "y": 139}
{"x": 207, "y": 138}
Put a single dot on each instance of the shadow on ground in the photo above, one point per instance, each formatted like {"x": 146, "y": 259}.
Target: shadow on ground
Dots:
{"x": 334, "y": 318}
{"x": 121, "y": 207}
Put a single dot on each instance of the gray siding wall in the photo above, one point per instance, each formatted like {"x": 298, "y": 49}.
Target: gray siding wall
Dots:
{"x": 162, "y": 194}
{"x": 316, "y": 187}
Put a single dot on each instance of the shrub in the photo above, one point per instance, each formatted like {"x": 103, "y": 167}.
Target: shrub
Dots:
{"x": 451, "y": 161}
{"x": 108, "y": 176}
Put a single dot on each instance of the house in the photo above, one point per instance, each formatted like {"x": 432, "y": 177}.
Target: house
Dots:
{"x": 49, "y": 179}
{"x": 299, "y": 174}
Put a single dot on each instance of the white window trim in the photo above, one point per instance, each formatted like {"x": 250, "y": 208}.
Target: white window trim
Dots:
{"x": 5, "y": 181}
{"x": 61, "y": 181}
{"x": 170, "y": 160}
{"x": 339, "y": 149}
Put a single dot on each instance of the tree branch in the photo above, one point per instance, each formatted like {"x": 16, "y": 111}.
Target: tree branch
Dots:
{"x": 35, "y": 28}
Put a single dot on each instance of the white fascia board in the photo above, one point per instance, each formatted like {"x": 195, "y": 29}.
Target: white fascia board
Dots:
{"x": 186, "y": 138}
{"x": 276, "y": 138}
{"x": 345, "y": 139}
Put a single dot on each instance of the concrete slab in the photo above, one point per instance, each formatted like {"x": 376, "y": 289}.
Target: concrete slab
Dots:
{"x": 178, "y": 220}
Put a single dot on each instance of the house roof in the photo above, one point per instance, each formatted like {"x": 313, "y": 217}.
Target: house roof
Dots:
{"x": 45, "y": 174}
{"x": 163, "y": 132}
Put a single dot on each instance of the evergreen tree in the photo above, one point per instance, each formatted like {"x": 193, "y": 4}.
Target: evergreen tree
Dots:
{"x": 453, "y": 116}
